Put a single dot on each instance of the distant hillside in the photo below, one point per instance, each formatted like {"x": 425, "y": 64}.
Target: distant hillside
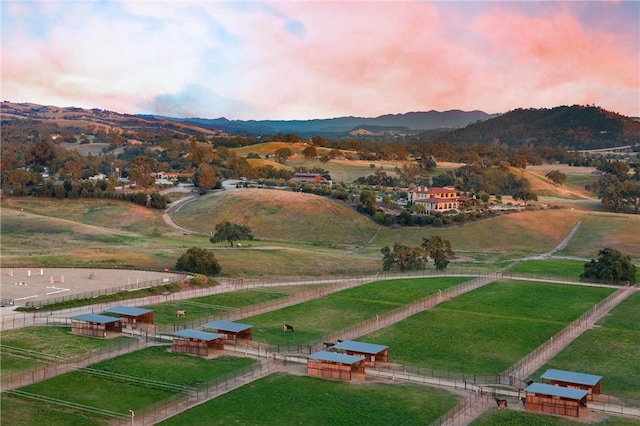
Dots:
{"x": 574, "y": 127}
{"x": 411, "y": 122}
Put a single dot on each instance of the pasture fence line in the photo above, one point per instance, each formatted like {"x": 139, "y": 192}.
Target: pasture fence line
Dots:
{"x": 517, "y": 373}
{"x": 54, "y": 367}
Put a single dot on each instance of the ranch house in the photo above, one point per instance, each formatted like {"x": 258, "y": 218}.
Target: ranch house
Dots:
{"x": 132, "y": 316}
{"x": 307, "y": 177}
{"x": 332, "y": 365}
{"x": 370, "y": 352}
{"x": 232, "y": 331}
{"x": 569, "y": 379}
{"x": 94, "y": 325}
{"x": 556, "y": 400}
{"x": 196, "y": 342}
{"x": 437, "y": 199}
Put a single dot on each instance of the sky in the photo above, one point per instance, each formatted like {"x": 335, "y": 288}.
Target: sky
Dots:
{"x": 297, "y": 60}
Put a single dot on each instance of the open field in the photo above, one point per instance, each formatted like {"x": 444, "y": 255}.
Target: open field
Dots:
{"x": 316, "y": 318}
{"x": 487, "y": 330}
{"x": 610, "y": 350}
{"x": 523, "y": 418}
{"x": 289, "y": 400}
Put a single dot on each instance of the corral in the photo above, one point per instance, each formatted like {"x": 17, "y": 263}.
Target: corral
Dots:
{"x": 96, "y": 325}
{"x": 232, "y": 331}
{"x": 332, "y": 365}
{"x": 196, "y": 342}
{"x": 555, "y": 399}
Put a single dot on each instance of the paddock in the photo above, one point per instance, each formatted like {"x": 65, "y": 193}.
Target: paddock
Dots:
{"x": 232, "y": 331}
{"x": 333, "y": 365}
{"x": 371, "y": 353}
{"x": 94, "y": 325}
{"x": 556, "y": 400}
{"x": 570, "y": 379}
{"x": 194, "y": 342}
{"x": 132, "y": 316}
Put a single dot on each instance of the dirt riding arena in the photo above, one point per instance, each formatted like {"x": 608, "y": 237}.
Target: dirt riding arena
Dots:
{"x": 37, "y": 284}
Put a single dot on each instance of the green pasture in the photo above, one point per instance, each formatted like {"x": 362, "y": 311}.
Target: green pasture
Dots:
{"x": 164, "y": 313}
{"x": 121, "y": 395}
{"x": 36, "y": 345}
{"x": 523, "y": 418}
{"x": 23, "y": 412}
{"x": 281, "y": 399}
{"x": 550, "y": 267}
{"x": 316, "y": 318}
{"x": 609, "y": 350}
{"x": 489, "y": 329}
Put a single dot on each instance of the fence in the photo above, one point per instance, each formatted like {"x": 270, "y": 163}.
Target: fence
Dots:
{"x": 106, "y": 291}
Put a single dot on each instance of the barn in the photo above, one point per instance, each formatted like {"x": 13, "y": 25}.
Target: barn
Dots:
{"x": 557, "y": 400}
{"x": 96, "y": 325}
{"x": 233, "y": 331}
{"x": 333, "y": 365}
{"x": 132, "y": 316}
{"x": 196, "y": 342}
{"x": 371, "y": 353}
{"x": 570, "y": 379}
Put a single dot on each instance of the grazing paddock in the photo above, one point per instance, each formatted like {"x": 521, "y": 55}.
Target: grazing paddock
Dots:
{"x": 33, "y": 346}
{"x": 550, "y": 267}
{"x": 487, "y": 330}
{"x": 610, "y": 350}
{"x": 317, "y": 318}
{"x": 21, "y": 412}
{"x": 151, "y": 375}
{"x": 523, "y": 418}
{"x": 293, "y": 400}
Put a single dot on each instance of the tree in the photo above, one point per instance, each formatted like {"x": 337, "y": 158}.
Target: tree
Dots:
{"x": 439, "y": 250}
{"x": 141, "y": 169}
{"x": 231, "y": 232}
{"x": 310, "y": 152}
{"x": 282, "y": 154}
{"x": 611, "y": 265}
{"x": 368, "y": 201}
{"x": 199, "y": 261}
{"x": 557, "y": 177}
{"x": 403, "y": 258}
{"x": 205, "y": 178}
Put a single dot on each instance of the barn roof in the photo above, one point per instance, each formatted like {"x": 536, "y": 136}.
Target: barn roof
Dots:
{"x": 234, "y": 327}
{"x": 128, "y": 310}
{"x": 335, "y": 357}
{"x": 196, "y": 334}
{"x": 571, "y": 377}
{"x": 100, "y": 319}
{"x": 365, "y": 348}
{"x": 560, "y": 391}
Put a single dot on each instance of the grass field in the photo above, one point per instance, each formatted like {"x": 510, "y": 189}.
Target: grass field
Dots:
{"x": 153, "y": 364}
{"x": 522, "y": 418}
{"x": 550, "y": 267}
{"x": 487, "y": 330}
{"x": 609, "y": 350}
{"x": 316, "y": 318}
{"x": 281, "y": 399}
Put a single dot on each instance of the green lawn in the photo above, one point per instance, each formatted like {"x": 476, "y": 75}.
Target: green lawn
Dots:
{"x": 486, "y": 330}
{"x": 316, "y": 318}
{"x": 21, "y": 412}
{"x": 549, "y": 267}
{"x": 609, "y": 350}
{"x": 281, "y": 399}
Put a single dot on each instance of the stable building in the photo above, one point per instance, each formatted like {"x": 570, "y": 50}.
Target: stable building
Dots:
{"x": 570, "y": 379}
{"x": 333, "y": 365}
{"x": 371, "y": 353}
{"x": 196, "y": 342}
{"x": 94, "y": 325}
{"x": 556, "y": 400}
{"x": 132, "y": 316}
{"x": 232, "y": 331}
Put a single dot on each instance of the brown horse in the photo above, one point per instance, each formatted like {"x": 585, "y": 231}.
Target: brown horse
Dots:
{"x": 287, "y": 327}
{"x": 502, "y": 403}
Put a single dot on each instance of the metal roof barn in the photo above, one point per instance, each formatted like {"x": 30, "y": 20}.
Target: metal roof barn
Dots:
{"x": 588, "y": 382}
{"x": 232, "y": 330}
{"x": 132, "y": 316}
{"x": 94, "y": 325}
{"x": 371, "y": 352}
{"x": 334, "y": 365}
{"x": 196, "y": 342}
{"x": 556, "y": 400}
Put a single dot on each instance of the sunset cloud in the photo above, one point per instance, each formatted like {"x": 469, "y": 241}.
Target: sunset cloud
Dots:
{"x": 299, "y": 60}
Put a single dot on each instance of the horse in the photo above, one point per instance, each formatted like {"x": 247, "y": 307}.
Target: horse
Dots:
{"x": 181, "y": 314}
{"x": 328, "y": 344}
{"x": 287, "y": 327}
{"x": 502, "y": 403}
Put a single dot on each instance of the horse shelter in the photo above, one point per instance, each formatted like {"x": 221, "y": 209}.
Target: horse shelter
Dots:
{"x": 570, "y": 379}
{"x": 94, "y": 325}
{"x": 195, "y": 342}
{"x": 371, "y": 353}
{"x": 556, "y": 400}
{"x": 333, "y": 365}
{"x": 233, "y": 331}
{"x": 132, "y": 316}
